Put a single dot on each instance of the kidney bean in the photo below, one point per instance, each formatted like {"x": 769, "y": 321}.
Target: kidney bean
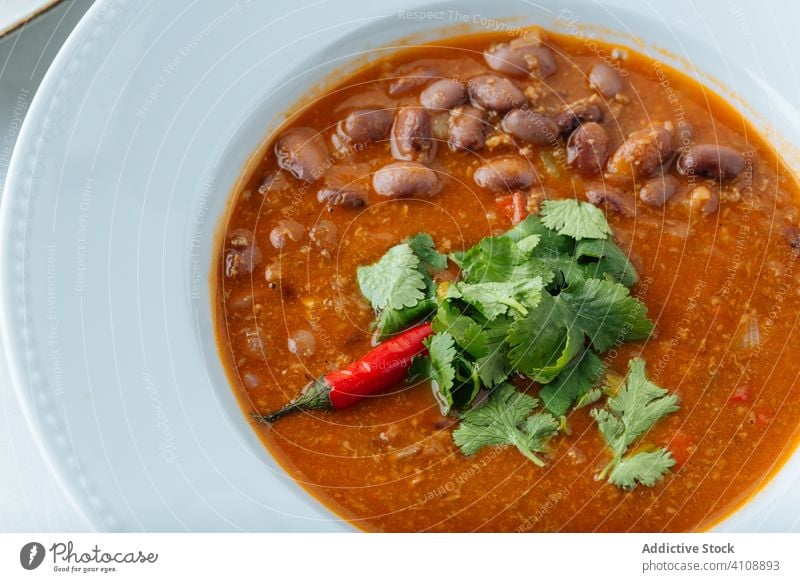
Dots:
{"x": 643, "y": 153}
{"x": 302, "y": 152}
{"x": 520, "y": 58}
{"x": 410, "y": 77}
{"x": 404, "y": 179}
{"x": 237, "y": 262}
{"x": 576, "y": 113}
{"x": 531, "y": 127}
{"x": 242, "y": 254}
{"x": 505, "y": 173}
{"x": 349, "y": 196}
{"x": 605, "y": 80}
{"x": 588, "y": 148}
{"x": 466, "y": 129}
{"x": 274, "y": 182}
{"x": 443, "y": 94}
{"x": 411, "y": 136}
{"x": 612, "y": 199}
{"x": 494, "y": 93}
{"x": 365, "y": 125}
{"x": 711, "y": 161}
{"x": 285, "y": 231}
{"x": 657, "y": 191}
{"x": 241, "y": 260}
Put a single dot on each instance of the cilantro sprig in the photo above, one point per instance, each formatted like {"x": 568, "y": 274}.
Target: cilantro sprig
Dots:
{"x": 576, "y": 219}
{"x": 395, "y": 281}
{"x": 628, "y": 415}
{"x": 506, "y": 419}
{"x": 400, "y": 286}
{"x": 544, "y": 301}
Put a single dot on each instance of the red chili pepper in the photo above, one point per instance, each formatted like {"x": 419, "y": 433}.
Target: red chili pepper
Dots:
{"x": 383, "y": 367}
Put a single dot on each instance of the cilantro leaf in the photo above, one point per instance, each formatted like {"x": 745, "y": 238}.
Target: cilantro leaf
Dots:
{"x": 640, "y": 403}
{"x": 501, "y": 259}
{"x": 531, "y": 269}
{"x": 492, "y": 260}
{"x": 392, "y": 321}
{"x": 454, "y": 377}
{"x": 442, "y": 354}
{"x": 540, "y": 427}
{"x": 423, "y": 246}
{"x": 576, "y": 219}
{"x": 395, "y": 281}
{"x": 606, "y": 312}
{"x": 646, "y": 468}
{"x": 573, "y": 383}
{"x": 550, "y": 242}
{"x": 545, "y": 341}
{"x": 490, "y": 299}
{"x": 528, "y": 244}
{"x": 610, "y": 261}
{"x": 468, "y": 383}
{"x": 589, "y": 397}
{"x": 503, "y": 420}
{"x": 628, "y": 415}
{"x": 493, "y": 364}
{"x": 484, "y": 341}
{"x": 494, "y": 299}
{"x": 419, "y": 370}
{"x": 566, "y": 271}
{"x": 464, "y": 329}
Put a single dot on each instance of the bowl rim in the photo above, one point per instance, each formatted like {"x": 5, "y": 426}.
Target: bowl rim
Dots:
{"x": 11, "y": 339}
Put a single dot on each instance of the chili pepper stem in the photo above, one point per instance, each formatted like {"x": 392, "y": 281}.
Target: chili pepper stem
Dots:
{"x": 315, "y": 396}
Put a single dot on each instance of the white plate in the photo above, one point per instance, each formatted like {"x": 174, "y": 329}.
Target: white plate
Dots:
{"x": 121, "y": 174}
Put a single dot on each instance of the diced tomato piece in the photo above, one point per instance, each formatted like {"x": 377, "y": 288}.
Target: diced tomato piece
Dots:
{"x": 740, "y": 394}
{"x": 764, "y": 415}
{"x": 513, "y": 206}
{"x": 681, "y": 446}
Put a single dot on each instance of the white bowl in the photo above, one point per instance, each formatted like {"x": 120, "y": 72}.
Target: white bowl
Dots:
{"x": 121, "y": 175}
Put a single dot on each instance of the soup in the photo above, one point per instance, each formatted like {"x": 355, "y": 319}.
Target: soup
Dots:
{"x": 462, "y": 140}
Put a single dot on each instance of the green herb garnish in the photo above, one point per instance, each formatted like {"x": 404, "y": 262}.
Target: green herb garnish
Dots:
{"x": 575, "y": 384}
{"x": 628, "y": 415}
{"x": 576, "y": 219}
{"x": 395, "y": 281}
{"x": 423, "y": 246}
{"x": 400, "y": 285}
{"x": 544, "y": 300}
{"x": 505, "y": 419}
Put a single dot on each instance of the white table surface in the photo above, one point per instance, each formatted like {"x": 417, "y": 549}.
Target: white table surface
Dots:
{"x": 31, "y": 499}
